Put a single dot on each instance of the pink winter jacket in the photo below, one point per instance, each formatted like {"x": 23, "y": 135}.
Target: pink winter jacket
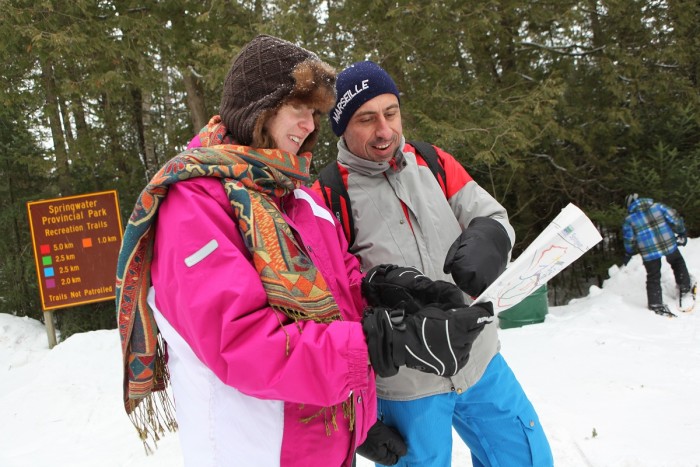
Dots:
{"x": 250, "y": 386}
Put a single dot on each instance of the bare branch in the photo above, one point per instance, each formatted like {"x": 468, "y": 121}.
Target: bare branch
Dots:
{"x": 194, "y": 72}
{"x": 551, "y": 161}
{"x": 666, "y": 65}
{"x": 562, "y": 50}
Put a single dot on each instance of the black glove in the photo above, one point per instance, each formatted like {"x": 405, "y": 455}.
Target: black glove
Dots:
{"x": 384, "y": 445}
{"x": 682, "y": 240}
{"x": 626, "y": 259}
{"x": 431, "y": 340}
{"x": 392, "y": 286}
{"x": 478, "y": 256}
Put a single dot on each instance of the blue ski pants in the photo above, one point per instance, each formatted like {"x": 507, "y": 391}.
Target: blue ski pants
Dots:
{"x": 494, "y": 418}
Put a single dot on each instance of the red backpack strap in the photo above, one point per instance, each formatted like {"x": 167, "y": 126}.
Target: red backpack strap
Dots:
{"x": 333, "y": 180}
{"x": 427, "y": 152}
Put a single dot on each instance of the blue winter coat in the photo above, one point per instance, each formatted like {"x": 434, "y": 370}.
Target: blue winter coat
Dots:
{"x": 650, "y": 229}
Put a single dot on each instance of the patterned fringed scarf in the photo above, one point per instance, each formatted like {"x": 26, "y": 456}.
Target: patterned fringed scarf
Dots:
{"x": 294, "y": 287}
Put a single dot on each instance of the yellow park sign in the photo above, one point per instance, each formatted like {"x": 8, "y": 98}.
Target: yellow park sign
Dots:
{"x": 76, "y": 241}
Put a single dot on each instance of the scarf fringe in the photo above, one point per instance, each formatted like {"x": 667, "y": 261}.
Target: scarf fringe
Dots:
{"x": 324, "y": 411}
{"x": 155, "y": 413}
{"x": 349, "y": 411}
{"x": 302, "y": 315}
{"x": 348, "y": 414}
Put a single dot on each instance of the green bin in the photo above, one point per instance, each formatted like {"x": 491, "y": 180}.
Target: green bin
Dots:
{"x": 531, "y": 310}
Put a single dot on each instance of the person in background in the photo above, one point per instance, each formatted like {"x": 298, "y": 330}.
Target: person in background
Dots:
{"x": 404, "y": 215}
{"x": 238, "y": 274}
{"x": 655, "y": 230}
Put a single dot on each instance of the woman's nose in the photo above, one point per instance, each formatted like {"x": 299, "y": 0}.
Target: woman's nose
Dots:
{"x": 307, "y": 122}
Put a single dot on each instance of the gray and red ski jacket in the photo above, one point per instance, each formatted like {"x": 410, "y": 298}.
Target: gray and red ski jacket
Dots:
{"x": 403, "y": 216}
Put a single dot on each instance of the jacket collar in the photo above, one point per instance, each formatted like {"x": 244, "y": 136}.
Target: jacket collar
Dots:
{"x": 640, "y": 204}
{"x": 365, "y": 167}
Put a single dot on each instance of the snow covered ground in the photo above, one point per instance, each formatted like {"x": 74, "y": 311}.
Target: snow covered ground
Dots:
{"x": 614, "y": 385}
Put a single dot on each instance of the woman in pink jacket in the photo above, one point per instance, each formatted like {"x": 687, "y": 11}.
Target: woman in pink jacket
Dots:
{"x": 252, "y": 291}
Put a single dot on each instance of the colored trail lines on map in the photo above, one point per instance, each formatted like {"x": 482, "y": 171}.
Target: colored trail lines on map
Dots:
{"x": 564, "y": 240}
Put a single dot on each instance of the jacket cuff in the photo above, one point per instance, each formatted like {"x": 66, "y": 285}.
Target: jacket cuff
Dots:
{"x": 358, "y": 359}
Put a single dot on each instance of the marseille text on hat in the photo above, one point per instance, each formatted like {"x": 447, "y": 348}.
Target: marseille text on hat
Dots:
{"x": 347, "y": 97}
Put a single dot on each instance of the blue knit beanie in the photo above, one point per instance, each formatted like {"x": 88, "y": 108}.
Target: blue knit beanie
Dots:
{"x": 354, "y": 86}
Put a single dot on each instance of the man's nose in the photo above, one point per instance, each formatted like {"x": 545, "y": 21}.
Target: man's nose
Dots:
{"x": 383, "y": 130}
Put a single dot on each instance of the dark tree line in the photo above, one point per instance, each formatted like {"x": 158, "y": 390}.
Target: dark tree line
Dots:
{"x": 545, "y": 102}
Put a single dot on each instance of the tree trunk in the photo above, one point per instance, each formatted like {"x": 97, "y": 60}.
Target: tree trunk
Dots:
{"x": 149, "y": 145}
{"x": 137, "y": 117}
{"x": 598, "y": 35}
{"x": 112, "y": 135}
{"x": 81, "y": 127}
{"x": 52, "y": 113}
{"x": 195, "y": 99}
{"x": 14, "y": 265}
{"x": 67, "y": 131}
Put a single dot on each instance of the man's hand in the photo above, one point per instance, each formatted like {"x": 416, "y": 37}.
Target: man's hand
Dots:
{"x": 392, "y": 286}
{"x": 682, "y": 240}
{"x": 478, "y": 256}
{"x": 384, "y": 445}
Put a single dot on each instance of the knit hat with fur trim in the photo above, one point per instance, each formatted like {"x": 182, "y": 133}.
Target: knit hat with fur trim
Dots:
{"x": 357, "y": 84}
{"x": 267, "y": 73}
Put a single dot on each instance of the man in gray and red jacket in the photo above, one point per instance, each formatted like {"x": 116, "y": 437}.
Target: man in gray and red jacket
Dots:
{"x": 453, "y": 230}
